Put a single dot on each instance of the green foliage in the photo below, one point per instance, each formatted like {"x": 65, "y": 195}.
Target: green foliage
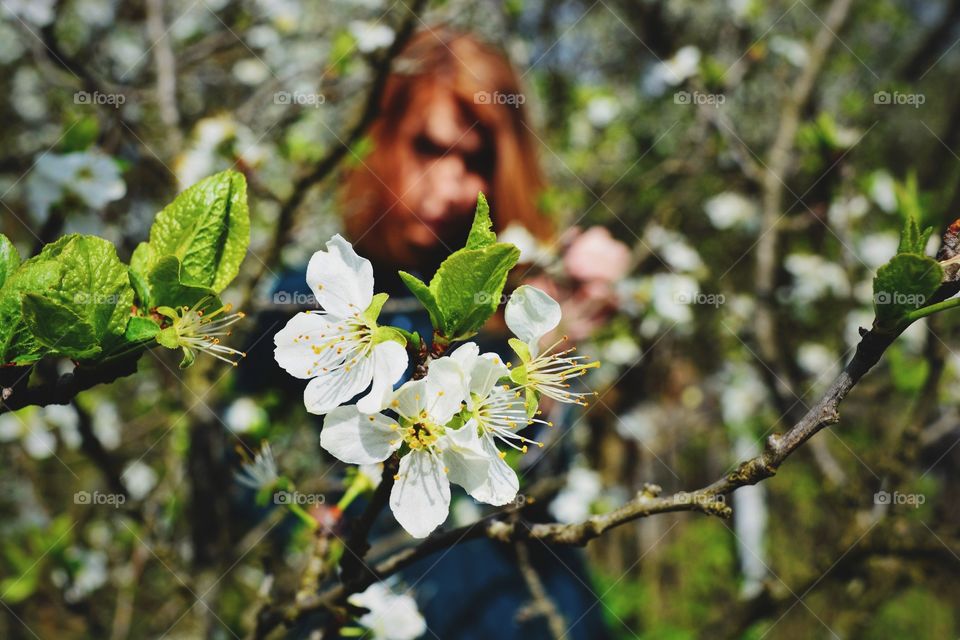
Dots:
{"x": 904, "y": 284}
{"x": 76, "y": 299}
{"x": 207, "y": 228}
{"x": 912, "y": 239}
{"x": 467, "y": 288}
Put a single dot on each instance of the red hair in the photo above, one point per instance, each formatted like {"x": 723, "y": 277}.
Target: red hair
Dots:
{"x": 470, "y": 70}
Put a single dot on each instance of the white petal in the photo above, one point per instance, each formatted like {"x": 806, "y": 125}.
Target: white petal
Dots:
{"x": 502, "y": 484}
{"x": 467, "y": 462}
{"x": 410, "y": 399}
{"x": 420, "y": 499}
{"x": 445, "y": 389}
{"x": 331, "y": 389}
{"x": 357, "y": 438}
{"x": 466, "y": 355}
{"x": 531, "y": 314}
{"x": 341, "y": 280}
{"x": 389, "y": 364}
{"x": 295, "y": 344}
{"x": 487, "y": 369}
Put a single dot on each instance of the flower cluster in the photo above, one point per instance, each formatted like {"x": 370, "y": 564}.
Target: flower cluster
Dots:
{"x": 454, "y": 425}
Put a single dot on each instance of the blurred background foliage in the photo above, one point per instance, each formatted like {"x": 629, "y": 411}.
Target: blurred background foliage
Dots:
{"x": 656, "y": 121}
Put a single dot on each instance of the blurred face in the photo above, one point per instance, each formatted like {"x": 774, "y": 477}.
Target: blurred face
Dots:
{"x": 448, "y": 161}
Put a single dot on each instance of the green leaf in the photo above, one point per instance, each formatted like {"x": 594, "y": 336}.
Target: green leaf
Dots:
{"x": 141, "y": 329}
{"x": 95, "y": 285}
{"x": 481, "y": 233}
{"x": 17, "y": 343}
{"x": 168, "y": 289}
{"x": 904, "y": 284}
{"x": 912, "y": 239}
{"x": 9, "y": 259}
{"x": 468, "y": 285}
{"x": 207, "y": 228}
{"x": 425, "y": 296}
{"x": 59, "y": 328}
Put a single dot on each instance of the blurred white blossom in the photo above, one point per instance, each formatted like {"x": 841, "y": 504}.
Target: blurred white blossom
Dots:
{"x": 684, "y": 64}
{"x": 815, "y": 278}
{"x": 139, "y": 479}
{"x": 92, "y": 176}
{"x": 391, "y": 616}
{"x": 602, "y": 110}
{"x": 731, "y": 209}
{"x": 572, "y": 503}
{"x": 371, "y": 36}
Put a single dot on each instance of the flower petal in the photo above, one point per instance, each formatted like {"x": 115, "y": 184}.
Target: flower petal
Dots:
{"x": 467, "y": 462}
{"x": 298, "y": 344}
{"x": 501, "y": 484}
{"x": 389, "y": 364}
{"x": 341, "y": 280}
{"x": 466, "y": 355}
{"x": 531, "y": 314}
{"x": 339, "y": 385}
{"x": 445, "y": 389}
{"x": 357, "y": 438}
{"x": 410, "y": 399}
{"x": 420, "y": 499}
{"x": 487, "y": 369}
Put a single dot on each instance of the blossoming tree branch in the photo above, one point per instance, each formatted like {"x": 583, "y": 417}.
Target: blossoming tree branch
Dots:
{"x": 414, "y": 413}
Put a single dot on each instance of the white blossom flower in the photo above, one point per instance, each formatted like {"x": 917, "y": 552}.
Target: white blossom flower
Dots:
{"x": 261, "y": 473}
{"x": 498, "y": 413}
{"x": 341, "y": 349}
{"x": 602, "y": 110}
{"x": 532, "y": 251}
{"x": 244, "y": 414}
{"x": 792, "y": 50}
{"x": 730, "y": 209}
{"x": 200, "y": 328}
{"x": 371, "y": 36}
{"x": 391, "y": 616}
{"x": 883, "y": 191}
{"x": 437, "y": 455}
{"x": 139, "y": 479}
{"x": 815, "y": 277}
{"x": 531, "y": 314}
{"x": 572, "y": 503}
{"x": 684, "y": 64}
{"x": 31, "y": 430}
{"x": 91, "y": 176}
